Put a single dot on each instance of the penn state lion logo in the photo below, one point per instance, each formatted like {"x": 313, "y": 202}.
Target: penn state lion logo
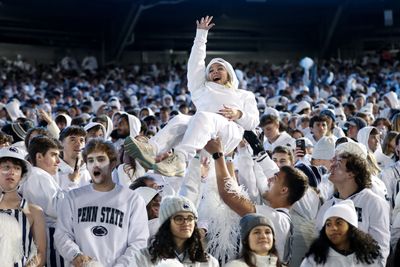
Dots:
{"x": 99, "y": 231}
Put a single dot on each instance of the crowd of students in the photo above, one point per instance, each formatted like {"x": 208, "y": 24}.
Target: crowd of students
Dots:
{"x": 200, "y": 165}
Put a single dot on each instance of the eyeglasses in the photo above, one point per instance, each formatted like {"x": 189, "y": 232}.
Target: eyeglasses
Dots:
{"x": 179, "y": 219}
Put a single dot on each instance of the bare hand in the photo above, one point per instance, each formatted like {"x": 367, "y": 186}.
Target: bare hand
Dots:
{"x": 34, "y": 262}
{"x": 75, "y": 175}
{"x": 230, "y": 113}
{"x": 205, "y": 23}
{"x": 213, "y": 146}
{"x": 80, "y": 260}
{"x": 43, "y": 115}
{"x": 299, "y": 153}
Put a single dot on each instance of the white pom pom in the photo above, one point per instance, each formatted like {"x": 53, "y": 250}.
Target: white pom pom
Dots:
{"x": 306, "y": 63}
{"x": 169, "y": 263}
{"x": 11, "y": 250}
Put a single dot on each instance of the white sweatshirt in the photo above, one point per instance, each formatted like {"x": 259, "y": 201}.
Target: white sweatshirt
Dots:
{"x": 373, "y": 216}
{"x": 63, "y": 180}
{"x": 142, "y": 259}
{"x": 107, "y": 226}
{"x": 336, "y": 259}
{"x": 40, "y": 188}
{"x": 210, "y": 96}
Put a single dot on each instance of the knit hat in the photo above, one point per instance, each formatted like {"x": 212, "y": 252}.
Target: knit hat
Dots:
{"x": 251, "y": 220}
{"x": 147, "y": 193}
{"x": 324, "y": 148}
{"x": 345, "y": 210}
{"x": 174, "y": 204}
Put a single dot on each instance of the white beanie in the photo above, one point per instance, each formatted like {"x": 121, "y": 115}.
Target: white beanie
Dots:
{"x": 324, "y": 148}
{"x": 345, "y": 210}
{"x": 352, "y": 148}
{"x": 147, "y": 193}
{"x": 174, "y": 204}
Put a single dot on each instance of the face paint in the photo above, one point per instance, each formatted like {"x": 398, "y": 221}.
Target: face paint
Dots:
{"x": 98, "y": 165}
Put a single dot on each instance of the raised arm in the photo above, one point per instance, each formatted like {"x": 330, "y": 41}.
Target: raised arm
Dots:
{"x": 227, "y": 184}
{"x": 196, "y": 64}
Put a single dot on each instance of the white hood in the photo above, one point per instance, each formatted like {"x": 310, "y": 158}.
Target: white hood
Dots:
{"x": 393, "y": 100}
{"x": 229, "y": 69}
{"x": 363, "y": 136}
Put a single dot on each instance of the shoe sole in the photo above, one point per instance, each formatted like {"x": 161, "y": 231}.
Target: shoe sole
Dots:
{"x": 145, "y": 161}
{"x": 169, "y": 174}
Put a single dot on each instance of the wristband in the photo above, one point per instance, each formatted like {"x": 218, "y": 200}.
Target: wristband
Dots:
{"x": 217, "y": 155}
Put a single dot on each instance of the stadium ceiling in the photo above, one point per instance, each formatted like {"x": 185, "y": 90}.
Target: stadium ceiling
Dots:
{"x": 241, "y": 25}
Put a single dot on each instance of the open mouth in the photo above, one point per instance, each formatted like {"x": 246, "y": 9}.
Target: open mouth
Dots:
{"x": 216, "y": 79}
{"x": 96, "y": 173}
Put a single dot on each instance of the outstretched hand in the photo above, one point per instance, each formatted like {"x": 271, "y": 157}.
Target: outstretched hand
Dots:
{"x": 205, "y": 23}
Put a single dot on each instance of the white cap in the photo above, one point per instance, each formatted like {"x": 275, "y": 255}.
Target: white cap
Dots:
{"x": 302, "y": 105}
{"x": 272, "y": 111}
{"x": 345, "y": 210}
{"x": 352, "y": 148}
{"x": 147, "y": 193}
{"x": 14, "y": 152}
{"x": 92, "y": 124}
{"x": 324, "y": 148}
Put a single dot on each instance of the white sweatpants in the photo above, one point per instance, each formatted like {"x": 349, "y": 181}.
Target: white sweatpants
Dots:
{"x": 187, "y": 134}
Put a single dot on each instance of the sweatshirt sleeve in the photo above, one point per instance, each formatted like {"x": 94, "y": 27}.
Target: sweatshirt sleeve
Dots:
{"x": 53, "y": 129}
{"x": 138, "y": 232}
{"x": 64, "y": 234}
{"x": 245, "y": 166}
{"x": 250, "y": 115}
{"x": 196, "y": 64}
{"x": 191, "y": 185}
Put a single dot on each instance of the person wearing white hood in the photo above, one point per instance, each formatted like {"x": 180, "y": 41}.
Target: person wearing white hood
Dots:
{"x": 392, "y": 102}
{"x": 128, "y": 125}
{"x": 370, "y": 137}
{"x": 222, "y": 110}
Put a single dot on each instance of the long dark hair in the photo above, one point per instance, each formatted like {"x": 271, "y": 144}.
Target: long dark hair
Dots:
{"x": 162, "y": 245}
{"x": 247, "y": 253}
{"x": 362, "y": 244}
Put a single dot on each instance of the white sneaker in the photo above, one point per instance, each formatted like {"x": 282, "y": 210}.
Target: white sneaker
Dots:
{"x": 142, "y": 151}
{"x": 171, "y": 166}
